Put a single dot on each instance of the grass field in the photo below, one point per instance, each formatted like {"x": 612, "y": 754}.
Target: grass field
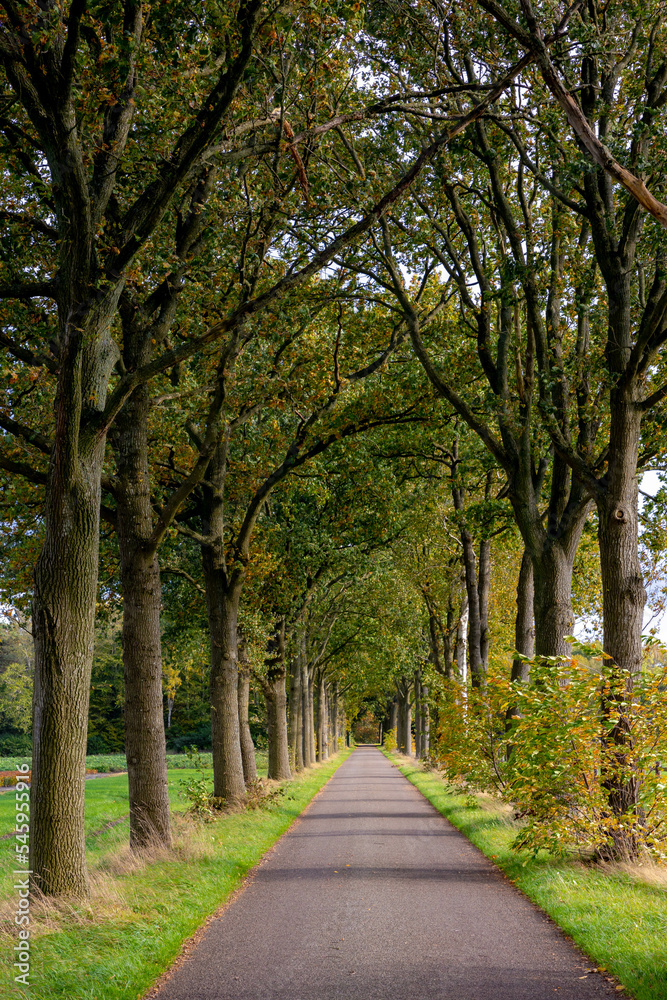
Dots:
{"x": 106, "y": 801}
{"x": 617, "y": 916}
{"x": 140, "y": 911}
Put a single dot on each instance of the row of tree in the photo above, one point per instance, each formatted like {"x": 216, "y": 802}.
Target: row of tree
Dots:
{"x": 222, "y": 226}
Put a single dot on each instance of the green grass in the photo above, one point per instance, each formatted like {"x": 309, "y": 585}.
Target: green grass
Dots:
{"x": 104, "y": 762}
{"x": 115, "y": 946}
{"x": 619, "y": 921}
{"x": 106, "y": 798}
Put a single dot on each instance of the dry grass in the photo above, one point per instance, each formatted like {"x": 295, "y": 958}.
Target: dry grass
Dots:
{"x": 646, "y": 871}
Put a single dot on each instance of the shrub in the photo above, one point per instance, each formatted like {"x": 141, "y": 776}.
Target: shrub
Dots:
{"x": 389, "y": 741}
{"x": 575, "y": 738}
{"x": 14, "y": 744}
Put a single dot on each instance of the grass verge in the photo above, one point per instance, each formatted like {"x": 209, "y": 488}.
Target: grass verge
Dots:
{"x": 613, "y": 915}
{"x": 140, "y": 911}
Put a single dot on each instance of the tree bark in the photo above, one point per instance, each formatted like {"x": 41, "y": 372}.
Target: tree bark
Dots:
{"x": 404, "y": 736}
{"x": 426, "y": 724}
{"x": 418, "y": 715}
{"x": 63, "y": 627}
{"x": 243, "y": 690}
{"x": 145, "y": 745}
{"x": 307, "y": 719}
{"x": 524, "y": 630}
{"x": 275, "y": 694}
{"x": 295, "y": 706}
{"x": 484, "y": 588}
{"x": 65, "y": 594}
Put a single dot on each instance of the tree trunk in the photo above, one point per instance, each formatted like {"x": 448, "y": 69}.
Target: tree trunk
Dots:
{"x": 321, "y": 719}
{"x": 295, "y": 705}
{"x": 524, "y": 630}
{"x": 222, "y": 606}
{"x": 306, "y": 710}
{"x": 393, "y": 717}
{"x": 552, "y": 576}
{"x": 64, "y": 630}
{"x": 243, "y": 691}
{"x": 404, "y": 737}
{"x": 335, "y": 717}
{"x": 145, "y": 745}
{"x": 623, "y": 597}
{"x": 418, "y": 715}
{"x": 65, "y": 593}
{"x": 276, "y": 705}
{"x": 483, "y": 588}
{"x": 460, "y": 651}
{"x": 426, "y": 723}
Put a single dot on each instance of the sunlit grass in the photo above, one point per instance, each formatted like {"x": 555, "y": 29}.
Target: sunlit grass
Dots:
{"x": 618, "y": 917}
{"x": 115, "y": 945}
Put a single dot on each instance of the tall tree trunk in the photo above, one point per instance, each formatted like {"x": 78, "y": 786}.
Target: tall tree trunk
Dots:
{"x": 552, "y": 576}
{"x": 65, "y": 593}
{"x": 426, "y": 723}
{"x": 404, "y": 737}
{"x": 336, "y": 717}
{"x": 276, "y": 704}
{"x": 321, "y": 718}
{"x": 483, "y": 589}
{"x": 460, "y": 651}
{"x": 307, "y": 719}
{"x": 312, "y": 728}
{"x": 145, "y": 745}
{"x": 623, "y": 597}
{"x": 295, "y": 705}
{"x": 393, "y": 717}
{"x": 243, "y": 690}
{"x": 524, "y": 630}
{"x": 223, "y": 606}
{"x": 64, "y": 630}
{"x": 418, "y": 715}
{"x": 223, "y": 596}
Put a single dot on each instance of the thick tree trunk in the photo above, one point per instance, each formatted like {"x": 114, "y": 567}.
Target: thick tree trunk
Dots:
{"x": 142, "y": 652}
{"x": 64, "y": 630}
{"x": 243, "y": 691}
{"x": 65, "y": 593}
{"x": 223, "y": 596}
{"x": 623, "y": 597}
{"x": 222, "y": 605}
{"x": 552, "y": 576}
{"x": 276, "y": 705}
{"x": 524, "y": 629}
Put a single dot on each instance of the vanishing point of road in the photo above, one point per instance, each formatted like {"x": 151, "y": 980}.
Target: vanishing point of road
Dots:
{"x": 373, "y": 895}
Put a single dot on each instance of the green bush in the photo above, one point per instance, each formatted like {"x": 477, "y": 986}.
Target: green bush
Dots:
{"x": 576, "y": 740}
{"x": 13, "y": 744}
{"x": 389, "y": 740}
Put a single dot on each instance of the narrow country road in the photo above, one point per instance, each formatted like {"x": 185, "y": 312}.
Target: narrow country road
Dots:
{"x": 374, "y": 896}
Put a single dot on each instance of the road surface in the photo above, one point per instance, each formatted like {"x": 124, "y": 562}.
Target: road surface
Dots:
{"x": 373, "y": 895}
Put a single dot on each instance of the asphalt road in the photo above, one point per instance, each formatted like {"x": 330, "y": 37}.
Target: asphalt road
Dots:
{"x": 373, "y": 895}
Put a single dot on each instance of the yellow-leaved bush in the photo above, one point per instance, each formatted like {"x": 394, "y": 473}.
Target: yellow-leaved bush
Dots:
{"x": 580, "y": 756}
